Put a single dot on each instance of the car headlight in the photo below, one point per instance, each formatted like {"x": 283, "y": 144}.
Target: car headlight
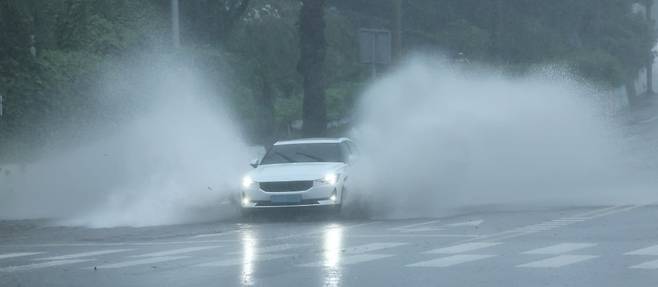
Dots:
{"x": 247, "y": 182}
{"x": 330, "y": 179}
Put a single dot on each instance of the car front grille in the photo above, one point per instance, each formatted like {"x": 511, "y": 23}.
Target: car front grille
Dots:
{"x": 283, "y": 186}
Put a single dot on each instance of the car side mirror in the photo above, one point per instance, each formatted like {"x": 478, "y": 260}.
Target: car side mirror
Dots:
{"x": 254, "y": 163}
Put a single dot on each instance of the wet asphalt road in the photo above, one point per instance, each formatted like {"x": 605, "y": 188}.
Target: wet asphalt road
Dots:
{"x": 594, "y": 246}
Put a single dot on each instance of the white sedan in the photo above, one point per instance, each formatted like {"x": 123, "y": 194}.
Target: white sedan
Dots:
{"x": 296, "y": 173}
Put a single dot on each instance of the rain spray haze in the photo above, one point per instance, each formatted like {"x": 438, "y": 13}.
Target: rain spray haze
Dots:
{"x": 438, "y": 138}
{"x": 166, "y": 152}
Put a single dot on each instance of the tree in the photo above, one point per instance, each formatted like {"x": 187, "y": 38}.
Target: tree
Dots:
{"x": 312, "y": 48}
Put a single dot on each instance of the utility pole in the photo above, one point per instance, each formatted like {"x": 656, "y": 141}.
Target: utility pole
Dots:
{"x": 397, "y": 29}
{"x": 175, "y": 23}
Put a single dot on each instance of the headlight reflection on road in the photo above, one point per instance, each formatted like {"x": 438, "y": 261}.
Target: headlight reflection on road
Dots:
{"x": 249, "y": 246}
{"x": 333, "y": 243}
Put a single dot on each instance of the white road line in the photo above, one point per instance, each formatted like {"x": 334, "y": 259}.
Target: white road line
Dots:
{"x": 176, "y": 251}
{"x": 560, "y": 248}
{"x": 646, "y": 265}
{"x": 588, "y": 214}
{"x": 240, "y": 260}
{"x": 472, "y": 223}
{"x": 129, "y": 263}
{"x": 84, "y": 254}
{"x": 415, "y": 225}
{"x": 273, "y": 248}
{"x": 413, "y": 235}
{"x": 372, "y": 247}
{"x": 568, "y": 220}
{"x": 465, "y": 247}
{"x": 557, "y": 261}
{"x": 349, "y": 260}
{"x": 19, "y": 254}
{"x": 450, "y": 260}
{"x": 651, "y": 250}
{"x": 42, "y": 265}
{"x": 530, "y": 229}
{"x": 215, "y": 234}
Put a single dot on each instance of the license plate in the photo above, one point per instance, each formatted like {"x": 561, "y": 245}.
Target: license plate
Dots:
{"x": 286, "y": 198}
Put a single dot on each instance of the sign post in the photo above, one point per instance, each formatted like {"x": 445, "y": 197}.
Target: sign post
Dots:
{"x": 375, "y": 48}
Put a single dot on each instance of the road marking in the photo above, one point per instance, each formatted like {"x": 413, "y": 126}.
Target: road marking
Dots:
{"x": 418, "y": 227}
{"x": 349, "y": 260}
{"x": 651, "y": 250}
{"x": 150, "y": 260}
{"x": 19, "y": 254}
{"x": 215, "y": 234}
{"x": 560, "y": 248}
{"x": 557, "y": 261}
{"x": 176, "y": 251}
{"x": 372, "y": 247}
{"x": 465, "y": 247}
{"x": 450, "y": 260}
{"x": 385, "y": 235}
{"x": 534, "y": 228}
{"x": 241, "y": 261}
{"x": 84, "y": 254}
{"x": 568, "y": 220}
{"x": 410, "y": 226}
{"x": 357, "y": 254}
{"x": 467, "y": 223}
{"x": 323, "y": 230}
{"x": 646, "y": 265}
{"x": 42, "y": 265}
{"x": 273, "y": 248}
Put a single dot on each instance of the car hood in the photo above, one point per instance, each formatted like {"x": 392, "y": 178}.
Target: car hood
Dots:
{"x": 294, "y": 171}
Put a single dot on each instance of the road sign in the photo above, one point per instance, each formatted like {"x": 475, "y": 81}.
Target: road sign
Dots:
{"x": 375, "y": 46}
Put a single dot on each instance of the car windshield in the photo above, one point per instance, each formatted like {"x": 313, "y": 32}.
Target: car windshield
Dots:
{"x": 308, "y": 152}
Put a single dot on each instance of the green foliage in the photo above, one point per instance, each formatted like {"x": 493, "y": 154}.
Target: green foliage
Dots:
{"x": 53, "y": 52}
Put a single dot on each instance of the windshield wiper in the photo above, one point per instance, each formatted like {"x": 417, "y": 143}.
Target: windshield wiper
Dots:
{"x": 311, "y": 157}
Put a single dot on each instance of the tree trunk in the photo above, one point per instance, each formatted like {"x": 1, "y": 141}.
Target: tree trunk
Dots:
{"x": 312, "y": 46}
{"x": 266, "y": 111}
{"x": 649, "y": 67}
{"x": 631, "y": 92}
{"x": 397, "y": 29}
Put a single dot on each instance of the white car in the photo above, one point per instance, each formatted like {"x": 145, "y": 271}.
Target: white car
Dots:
{"x": 297, "y": 173}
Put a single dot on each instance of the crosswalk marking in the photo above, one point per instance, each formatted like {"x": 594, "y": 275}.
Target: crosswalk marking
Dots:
{"x": 358, "y": 254}
{"x": 646, "y": 265}
{"x": 558, "y": 261}
{"x": 18, "y": 254}
{"x": 451, "y": 260}
{"x": 372, "y": 247}
{"x": 651, "y": 250}
{"x": 560, "y": 248}
{"x": 84, "y": 254}
{"x": 418, "y": 227}
{"x": 42, "y": 265}
{"x": 465, "y": 247}
{"x": 144, "y": 261}
{"x": 239, "y": 260}
{"x": 176, "y": 251}
{"x": 274, "y": 248}
{"x": 350, "y": 260}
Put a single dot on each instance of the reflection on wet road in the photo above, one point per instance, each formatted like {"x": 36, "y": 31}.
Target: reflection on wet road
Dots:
{"x": 487, "y": 249}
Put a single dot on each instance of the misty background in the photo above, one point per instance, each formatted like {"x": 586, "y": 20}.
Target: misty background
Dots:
{"x": 110, "y": 120}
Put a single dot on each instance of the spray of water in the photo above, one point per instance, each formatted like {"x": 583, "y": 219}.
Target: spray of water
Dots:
{"x": 165, "y": 153}
{"x": 438, "y": 138}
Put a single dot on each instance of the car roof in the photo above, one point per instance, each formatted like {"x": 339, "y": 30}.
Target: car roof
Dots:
{"x": 312, "y": 140}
